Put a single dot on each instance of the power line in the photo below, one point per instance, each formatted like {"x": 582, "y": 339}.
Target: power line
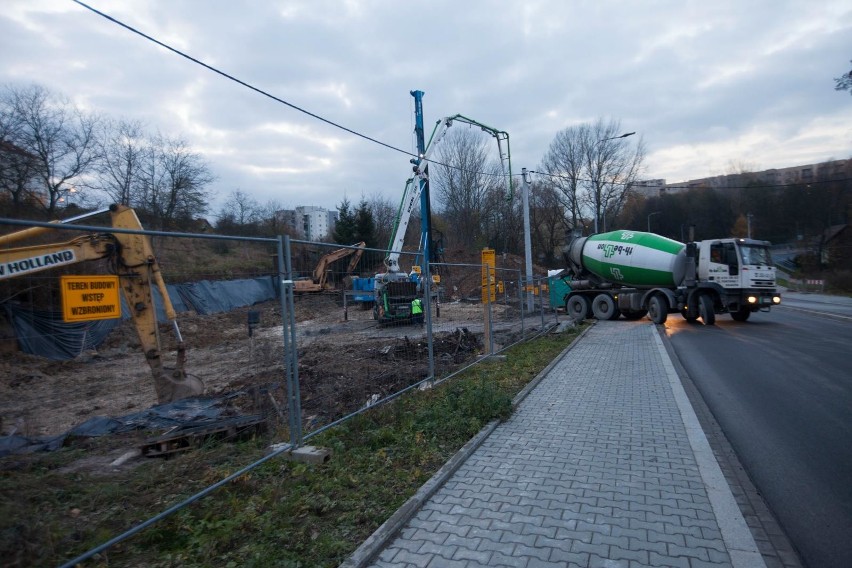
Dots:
{"x": 267, "y": 94}
{"x": 239, "y": 81}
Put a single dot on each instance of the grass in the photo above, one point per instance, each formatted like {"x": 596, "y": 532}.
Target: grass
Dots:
{"x": 282, "y": 514}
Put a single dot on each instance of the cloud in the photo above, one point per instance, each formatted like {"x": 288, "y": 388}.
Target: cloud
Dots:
{"x": 705, "y": 84}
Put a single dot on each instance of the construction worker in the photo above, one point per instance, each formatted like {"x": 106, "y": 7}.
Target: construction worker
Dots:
{"x": 417, "y": 311}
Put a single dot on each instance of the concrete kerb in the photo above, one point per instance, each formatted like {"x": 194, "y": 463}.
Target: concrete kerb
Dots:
{"x": 735, "y": 532}
{"x": 376, "y": 542}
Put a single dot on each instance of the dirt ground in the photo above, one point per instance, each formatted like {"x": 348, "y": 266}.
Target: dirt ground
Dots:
{"x": 343, "y": 363}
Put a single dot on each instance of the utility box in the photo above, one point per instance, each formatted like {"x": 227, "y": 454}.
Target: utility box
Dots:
{"x": 558, "y": 290}
{"x": 365, "y": 285}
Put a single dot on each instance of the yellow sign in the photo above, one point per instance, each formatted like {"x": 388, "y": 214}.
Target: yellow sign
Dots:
{"x": 90, "y": 298}
{"x": 489, "y": 276}
{"x": 415, "y": 269}
{"x": 436, "y": 279}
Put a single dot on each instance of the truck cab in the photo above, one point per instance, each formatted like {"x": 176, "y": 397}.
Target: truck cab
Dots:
{"x": 741, "y": 271}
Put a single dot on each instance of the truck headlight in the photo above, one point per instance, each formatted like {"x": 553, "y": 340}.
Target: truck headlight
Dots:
{"x": 776, "y": 299}
{"x": 752, "y": 299}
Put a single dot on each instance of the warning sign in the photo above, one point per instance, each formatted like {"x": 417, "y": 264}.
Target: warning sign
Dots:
{"x": 489, "y": 276}
{"x": 90, "y": 298}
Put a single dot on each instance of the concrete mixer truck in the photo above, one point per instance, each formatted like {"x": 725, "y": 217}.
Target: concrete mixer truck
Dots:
{"x": 633, "y": 274}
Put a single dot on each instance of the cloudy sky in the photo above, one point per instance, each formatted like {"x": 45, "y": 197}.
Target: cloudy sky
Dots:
{"x": 711, "y": 86}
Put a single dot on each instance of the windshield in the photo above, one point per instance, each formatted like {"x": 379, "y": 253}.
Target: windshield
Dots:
{"x": 755, "y": 255}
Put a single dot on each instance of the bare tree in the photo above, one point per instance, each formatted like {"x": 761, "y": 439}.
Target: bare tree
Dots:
{"x": 122, "y": 150}
{"x": 241, "y": 209}
{"x": 844, "y": 82}
{"x": 593, "y": 167}
{"x": 61, "y": 137}
{"x": 462, "y": 182}
{"x": 384, "y": 213}
{"x": 547, "y": 223}
{"x": 612, "y": 166}
{"x": 565, "y": 163}
{"x": 173, "y": 181}
{"x": 18, "y": 168}
{"x": 271, "y": 220}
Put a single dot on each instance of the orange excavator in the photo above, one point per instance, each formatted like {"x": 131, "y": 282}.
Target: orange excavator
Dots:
{"x": 319, "y": 278}
{"x": 132, "y": 258}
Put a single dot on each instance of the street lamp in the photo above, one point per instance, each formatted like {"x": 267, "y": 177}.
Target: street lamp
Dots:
{"x": 649, "y": 218}
{"x": 619, "y": 136}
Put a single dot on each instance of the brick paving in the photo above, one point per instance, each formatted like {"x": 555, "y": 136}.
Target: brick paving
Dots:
{"x": 596, "y": 467}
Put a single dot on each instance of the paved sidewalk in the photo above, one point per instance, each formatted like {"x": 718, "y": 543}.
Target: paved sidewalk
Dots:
{"x": 602, "y": 464}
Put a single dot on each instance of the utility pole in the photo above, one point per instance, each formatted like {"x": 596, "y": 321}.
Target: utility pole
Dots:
{"x": 527, "y": 238}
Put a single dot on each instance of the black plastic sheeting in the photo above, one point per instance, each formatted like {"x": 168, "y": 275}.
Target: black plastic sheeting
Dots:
{"x": 185, "y": 413}
{"x": 209, "y": 297}
{"x": 43, "y": 333}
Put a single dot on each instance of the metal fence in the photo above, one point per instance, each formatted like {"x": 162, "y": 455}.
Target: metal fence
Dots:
{"x": 286, "y": 335}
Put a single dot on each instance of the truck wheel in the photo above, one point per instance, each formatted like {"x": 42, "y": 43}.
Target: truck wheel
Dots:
{"x": 603, "y": 307}
{"x": 657, "y": 310}
{"x": 690, "y": 310}
{"x": 741, "y": 314}
{"x": 705, "y": 309}
{"x": 577, "y": 307}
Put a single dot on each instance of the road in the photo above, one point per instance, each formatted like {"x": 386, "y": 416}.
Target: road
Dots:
{"x": 780, "y": 386}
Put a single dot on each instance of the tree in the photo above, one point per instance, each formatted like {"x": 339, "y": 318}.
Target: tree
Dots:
{"x": 594, "y": 168}
{"x": 384, "y": 212}
{"x": 462, "y": 181}
{"x": 344, "y": 229}
{"x": 60, "y": 136}
{"x": 844, "y": 82}
{"x": 564, "y": 162}
{"x": 611, "y": 167}
{"x": 364, "y": 225}
{"x": 173, "y": 180}
{"x": 547, "y": 223}
{"x": 122, "y": 150}
{"x": 240, "y": 214}
{"x": 18, "y": 168}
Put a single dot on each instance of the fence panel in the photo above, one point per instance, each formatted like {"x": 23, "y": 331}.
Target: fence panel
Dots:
{"x": 287, "y": 337}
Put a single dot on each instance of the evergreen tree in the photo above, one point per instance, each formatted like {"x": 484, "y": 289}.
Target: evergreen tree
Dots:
{"x": 364, "y": 224}
{"x": 344, "y": 229}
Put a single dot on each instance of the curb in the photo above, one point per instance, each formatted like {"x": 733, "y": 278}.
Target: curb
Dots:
{"x": 736, "y": 534}
{"x": 377, "y": 541}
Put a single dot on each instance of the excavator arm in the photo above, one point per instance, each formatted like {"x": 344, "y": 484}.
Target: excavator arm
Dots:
{"x": 132, "y": 258}
{"x": 320, "y": 273}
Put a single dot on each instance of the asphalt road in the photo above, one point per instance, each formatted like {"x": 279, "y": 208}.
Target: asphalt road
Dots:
{"x": 780, "y": 386}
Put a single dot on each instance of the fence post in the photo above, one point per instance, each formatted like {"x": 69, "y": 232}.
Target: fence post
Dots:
{"x": 427, "y": 287}
{"x": 541, "y": 302}
{"x": 521, "y": 301}
{"x": 288, "y": 328}
{"x": 489, "y": 319}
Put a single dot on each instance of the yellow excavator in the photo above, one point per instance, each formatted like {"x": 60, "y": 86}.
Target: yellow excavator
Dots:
{"x": 318, "y": 280}
{"x": 132, "y": 258}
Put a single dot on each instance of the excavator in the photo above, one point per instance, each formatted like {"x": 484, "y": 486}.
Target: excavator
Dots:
{"x": 319, "y": 277}
{"x": 131, "y": 257}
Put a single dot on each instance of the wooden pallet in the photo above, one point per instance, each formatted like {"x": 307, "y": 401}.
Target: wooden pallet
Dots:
{"x": 194, "y": 436}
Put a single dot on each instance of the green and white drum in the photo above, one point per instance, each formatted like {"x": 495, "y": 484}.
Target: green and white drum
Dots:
{"x": 634, "y": 258}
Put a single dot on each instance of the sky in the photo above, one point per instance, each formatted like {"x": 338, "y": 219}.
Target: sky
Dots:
{"x": 710, "y": 88}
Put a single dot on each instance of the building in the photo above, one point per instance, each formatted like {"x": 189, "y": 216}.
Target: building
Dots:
{"x": 835, "y": 169}
{"x": 309, "y": 222}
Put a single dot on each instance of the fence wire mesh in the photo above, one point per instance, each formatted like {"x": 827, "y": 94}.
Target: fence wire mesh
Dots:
{"x": 288, "y": 337}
